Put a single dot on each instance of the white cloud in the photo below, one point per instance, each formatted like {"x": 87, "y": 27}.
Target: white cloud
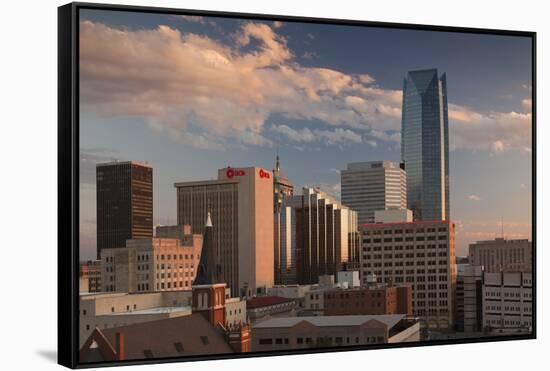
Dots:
{"x": 194, "y": 18}
{"x": 495, "y": 131}
{"x": 307, "y": 135}
{"x": 179, "y": 81}
{"x": 527, "y": 104}
{"x": 208, "y": 94}
{"x": 474, "y": 198}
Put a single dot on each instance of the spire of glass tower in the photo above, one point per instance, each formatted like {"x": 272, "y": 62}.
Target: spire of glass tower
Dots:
{"x": 425, "y": 144}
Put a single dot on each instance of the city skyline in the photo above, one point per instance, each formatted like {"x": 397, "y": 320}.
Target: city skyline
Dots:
{"x": 342, "y": 113}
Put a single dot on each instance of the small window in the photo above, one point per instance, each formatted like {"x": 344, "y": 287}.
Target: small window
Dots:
{"x": 179, "y": 347}
{"x": 148, "y": 353}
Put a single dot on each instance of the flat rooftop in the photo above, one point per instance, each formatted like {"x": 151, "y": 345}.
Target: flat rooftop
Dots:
{"x": 326, "y": 321}
{"x": 112, "y": 163}
{"x": 156, "y": 310}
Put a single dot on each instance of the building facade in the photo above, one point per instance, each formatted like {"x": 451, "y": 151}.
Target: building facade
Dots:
{"x": 501, "y": 255}
{"x": 425, "y": 144}
{"x": 90, "y": 276}
{"x": 107, "y": 310}
{"x": 469, "y": 305}
{"x": 371, "y": 186}
{"x": 284, "y": 259}
{"x": 507, "y": 302}
{"x": 153, "y": 264}
{"x": 241, "y": 205}
{"x": 362, "y": 301}
{"x": 124, "y": 192}
{"x": 421, "y": 254}
{"x": 324, "y": 235}
{"x": 328, "y": 331}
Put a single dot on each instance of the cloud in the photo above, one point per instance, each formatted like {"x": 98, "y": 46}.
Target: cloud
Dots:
{"x": 212, "y": 95}
{"x": 307, "y": 135}
{"x": 310, "y": 55}
{"x": 204, "y": 93}
{"x": 527, "y": 104}
{"x": 194, "y": 18}
{"x": 474, "y": 198}
{"x": 494, "y": 131}
{"x": 278, "y": 24}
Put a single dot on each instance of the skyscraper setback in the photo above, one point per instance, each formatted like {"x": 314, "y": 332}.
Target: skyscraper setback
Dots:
{"x": 372, "y": 186}
{"x": 124, "y": 203}
{"x": 425, "y": 144}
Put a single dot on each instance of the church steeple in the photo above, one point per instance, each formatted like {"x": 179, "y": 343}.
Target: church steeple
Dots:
{"x": 207, "y": 270}
{"x": 208, "y": 290}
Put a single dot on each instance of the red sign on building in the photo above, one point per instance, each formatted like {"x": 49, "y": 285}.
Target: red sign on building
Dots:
{"x": 230, "y": 173}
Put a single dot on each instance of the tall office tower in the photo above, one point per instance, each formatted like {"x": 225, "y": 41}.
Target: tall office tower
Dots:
{"x": 418, "y": 253}
{"x": 425, "y": 144}
{"x": 240, "y": 203}
{"x": 500, "y": 255}
{"x": 371, "y": 186}
{"x": 324, "y": 235}
{"x": 124, "y": 203}
{"x": 283, "y": 257}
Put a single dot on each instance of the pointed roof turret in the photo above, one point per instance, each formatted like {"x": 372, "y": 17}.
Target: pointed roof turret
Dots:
{"x": 206, "y": 271}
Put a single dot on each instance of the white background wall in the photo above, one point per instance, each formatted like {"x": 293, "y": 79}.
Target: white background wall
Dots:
{"x": 28, "y": 181}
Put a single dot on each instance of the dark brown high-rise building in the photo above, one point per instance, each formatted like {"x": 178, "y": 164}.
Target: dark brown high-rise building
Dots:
{"x": 124, "y": 203}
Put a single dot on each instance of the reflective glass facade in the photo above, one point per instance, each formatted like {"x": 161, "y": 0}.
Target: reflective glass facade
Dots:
{"x": 425, "y": 144}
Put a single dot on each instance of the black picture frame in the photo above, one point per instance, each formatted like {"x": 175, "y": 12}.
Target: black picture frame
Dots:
{"x": 68, "y": 179}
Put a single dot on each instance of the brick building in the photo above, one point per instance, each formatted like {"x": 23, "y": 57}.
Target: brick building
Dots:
{"x": 386, "y": 300}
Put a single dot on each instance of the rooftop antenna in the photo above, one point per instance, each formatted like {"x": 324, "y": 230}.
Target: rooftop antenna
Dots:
{"x": 277, "y": 164}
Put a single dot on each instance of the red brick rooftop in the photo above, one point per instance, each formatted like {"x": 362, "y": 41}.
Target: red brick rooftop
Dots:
{"x": 265, "y": 301}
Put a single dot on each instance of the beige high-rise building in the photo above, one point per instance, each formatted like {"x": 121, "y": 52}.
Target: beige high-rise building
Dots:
{"x": 164, "y": 263}
{"x": 240, "y": 202}
{"x": 421, "y": 254}
{"x": 501, "y": 255}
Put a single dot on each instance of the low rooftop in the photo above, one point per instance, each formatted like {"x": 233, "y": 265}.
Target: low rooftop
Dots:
{"x": 265, "y": 301}
{"x": 323, "y": 321}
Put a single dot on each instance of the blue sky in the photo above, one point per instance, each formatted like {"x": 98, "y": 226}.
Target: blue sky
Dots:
{"x": 190, "y": 95}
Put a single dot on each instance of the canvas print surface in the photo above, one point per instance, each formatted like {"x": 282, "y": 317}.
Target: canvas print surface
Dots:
{"x": 252, "y": 185}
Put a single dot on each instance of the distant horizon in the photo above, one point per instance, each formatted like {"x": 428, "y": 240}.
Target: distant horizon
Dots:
{"x": 191, "y": 95}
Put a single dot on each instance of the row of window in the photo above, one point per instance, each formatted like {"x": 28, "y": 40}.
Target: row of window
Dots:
{"x": 321, "y": 340}
{"x": 400, "y": 231}
{"x": 407, "y": 239}
{"x": 405, "y": 247}
{"x": 175, "y": 256}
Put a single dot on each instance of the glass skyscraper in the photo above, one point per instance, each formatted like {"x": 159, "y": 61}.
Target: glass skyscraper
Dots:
{"x": 425, "y": 144}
